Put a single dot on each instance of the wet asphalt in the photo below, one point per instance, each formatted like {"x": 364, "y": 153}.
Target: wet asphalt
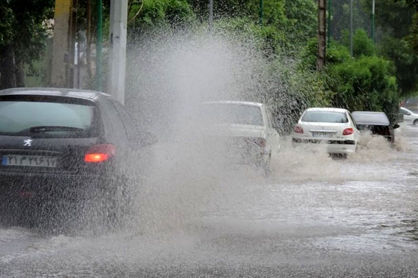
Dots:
{"x": 315, "y": 217}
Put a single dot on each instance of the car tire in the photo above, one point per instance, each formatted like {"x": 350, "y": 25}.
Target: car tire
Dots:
{"x": 337, "y": 156}
{"x": 415, "y": 122}
{"x": 266, "y": 166}
{"x": 116, "y": 202}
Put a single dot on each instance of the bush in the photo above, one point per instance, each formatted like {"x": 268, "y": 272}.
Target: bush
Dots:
{"x": 362, "y": 45}
{"x": 366, "y": 83}
{"x": 153, "y": 14}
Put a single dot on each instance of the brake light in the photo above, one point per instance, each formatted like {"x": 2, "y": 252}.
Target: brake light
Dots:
{"x": 260, "y": 142}
{"x": 99, "y": 153}
{"x": 348, "y": 131}
{"x": 298, "y": 129}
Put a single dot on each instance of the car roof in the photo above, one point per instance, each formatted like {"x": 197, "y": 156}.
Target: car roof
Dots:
{"x": 404, "y": 108}
{"x": 327, "y": 109}
{"x": 370, "y": 118}
{"x": 58, "y": 92}
{"x": 234, "y": 102}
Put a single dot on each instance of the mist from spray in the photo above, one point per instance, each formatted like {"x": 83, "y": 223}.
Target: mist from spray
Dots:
{"x": 170, "y": 75}
{"x": 182, "y": 186}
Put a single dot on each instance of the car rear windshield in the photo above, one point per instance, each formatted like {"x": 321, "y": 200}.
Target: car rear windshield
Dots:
{"x": 324, "y": 117}
{"x": 370, "y": 118}
{"x": 231, "y": 113}
{"x": 20, "y": 117}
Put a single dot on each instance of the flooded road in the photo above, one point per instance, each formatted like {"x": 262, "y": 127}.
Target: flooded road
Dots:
{"x": 314, "y": 217}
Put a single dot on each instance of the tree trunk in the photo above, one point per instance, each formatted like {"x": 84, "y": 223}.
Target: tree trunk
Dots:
{"x": 20, "y": 73}
{"x": 320, "y": 61}
{"x": 7, "y": 68}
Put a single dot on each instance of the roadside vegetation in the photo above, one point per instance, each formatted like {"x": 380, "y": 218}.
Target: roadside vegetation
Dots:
{"x": 376, "y": 77}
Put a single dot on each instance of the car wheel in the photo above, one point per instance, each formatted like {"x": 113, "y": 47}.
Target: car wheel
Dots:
{"x": 116, "y": 202}
{"x": 338, "y": 155}
{"x": 266, "y": 166}
{"x": 415, "y": 122}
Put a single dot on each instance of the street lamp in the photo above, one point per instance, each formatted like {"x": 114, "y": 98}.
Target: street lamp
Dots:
{"x": 329, "y": 22}
{"x": 99, "y": 39}
{"x": 351, "y": 28}
{"x": 372, "y": 23}
{"x": 210, "y": 14}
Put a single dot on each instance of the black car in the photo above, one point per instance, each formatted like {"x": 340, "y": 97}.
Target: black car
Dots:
{"x": 375, "y": 122}
{"x": 64, "y": 144}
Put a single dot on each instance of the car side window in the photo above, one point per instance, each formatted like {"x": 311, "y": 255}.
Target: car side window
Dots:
{"x": 404, "y": 112}
{"x": 352, "y": 119}
{"x": 268, "y": 118}
{"x": 127, "y": 121}
{"x": 114, "y": 128}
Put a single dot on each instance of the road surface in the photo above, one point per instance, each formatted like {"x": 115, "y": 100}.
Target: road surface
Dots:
{"x": 314, "y": 217}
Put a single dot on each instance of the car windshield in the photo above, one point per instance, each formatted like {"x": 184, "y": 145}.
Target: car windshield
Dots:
{"x": 231, "y": 113}
{"x": 405, "y": 111}
{"x": 371, "y": 118}
{"x": 45, "y": 119}
{"x": 324, "y": 117}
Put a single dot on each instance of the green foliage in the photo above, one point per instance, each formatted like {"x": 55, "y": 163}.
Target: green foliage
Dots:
{"x": 23, "y": 28}
{"x": 393, "y": 17}
{"x": 413, "y": 36}
{"x": 6, "y": 25}
{"x": 268, "y": 38}
{"x": 287, "y": 23}
{"x": 23, "y": 34}
{"x": 336, "y": 53}
{"x": 301, "y": 24}
{"x": 405, "y": 60}
{"x": 365, "y": 83}
{"x": 152, "y": 14}
{"x": 362, "y": 45}
{"x": 362, "y": 82}
{"x": 273, "y": 11}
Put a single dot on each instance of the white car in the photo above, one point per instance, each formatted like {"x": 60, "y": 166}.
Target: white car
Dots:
{"x": 247, "y": 128}
{"x": 333, "y": 127}
{"x": 409, "y": 116}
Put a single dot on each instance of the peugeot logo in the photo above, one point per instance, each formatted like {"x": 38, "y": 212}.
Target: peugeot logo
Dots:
{"x": 27, "y": 142}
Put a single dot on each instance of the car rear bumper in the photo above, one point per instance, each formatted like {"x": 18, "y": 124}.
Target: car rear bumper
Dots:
{"x": 331, "y": 146}
{"x": 44, "y": 186}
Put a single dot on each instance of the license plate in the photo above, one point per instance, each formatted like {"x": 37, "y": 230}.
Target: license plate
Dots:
{"x": 29, "y": 161}
{"x": 321, "y": 134}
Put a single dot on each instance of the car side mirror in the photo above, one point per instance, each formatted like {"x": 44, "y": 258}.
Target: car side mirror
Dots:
{"x": 396, "y": 126}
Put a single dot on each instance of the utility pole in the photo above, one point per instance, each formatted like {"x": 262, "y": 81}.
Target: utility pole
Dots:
{"x": 118, "y": 25}
{"x": 322, "y": 33}
{"x": 61, "y": 46}
{"x": 99, "y": 41}
{"x": 372, "y": 21}
{"x": 210, "y": 15}
{"x": 261, "y": 9}
{"x": 351, "y": 28}
{"x": 329, "y": 22}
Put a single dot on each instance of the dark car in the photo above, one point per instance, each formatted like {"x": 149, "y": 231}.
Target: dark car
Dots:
{"x": 64, "y": 144}
{"x": 376, "y": 122}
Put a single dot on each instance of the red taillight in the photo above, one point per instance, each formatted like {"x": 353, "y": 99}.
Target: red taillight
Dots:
{"x": 99, "y": 153}
{"x": 260, "y": 142}
{"x": 298, "y": 129}
{"x": 348, "y": 131}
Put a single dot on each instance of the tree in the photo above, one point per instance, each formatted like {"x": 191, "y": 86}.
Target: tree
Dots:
{"x": 397, "y": 24}
{"x": 366, "y": 83}
{"x": 23, "y": 31}
{"x": 148, "y": 15}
